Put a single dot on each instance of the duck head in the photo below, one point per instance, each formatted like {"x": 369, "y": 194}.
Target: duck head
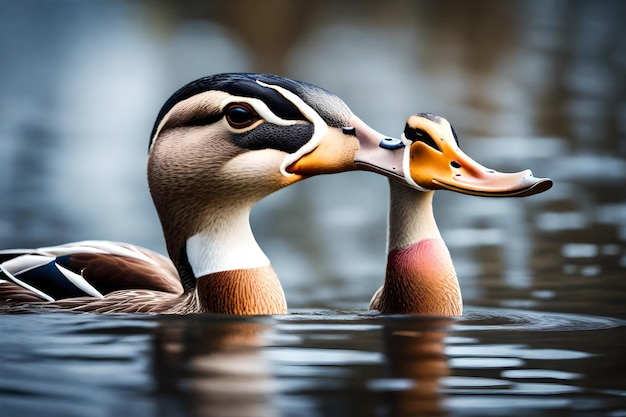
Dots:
{"x": 428, "y": 158}
{"x": 223, "y": 142}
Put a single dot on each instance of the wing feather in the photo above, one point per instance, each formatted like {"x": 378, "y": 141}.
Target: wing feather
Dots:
{"x": 13, "y": 293}
{"x": 79, "y": 281}
{"x": 82, "y": 270}
{"x": 26, "y": 286}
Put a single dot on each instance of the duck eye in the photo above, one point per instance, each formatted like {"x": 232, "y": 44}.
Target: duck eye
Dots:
{"x": 419, "y": 135}
{"x": 240, "y": 115}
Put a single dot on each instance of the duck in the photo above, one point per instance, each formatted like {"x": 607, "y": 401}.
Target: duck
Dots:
{"x": 420, "y": 277}
{"x": 219, "y": 145}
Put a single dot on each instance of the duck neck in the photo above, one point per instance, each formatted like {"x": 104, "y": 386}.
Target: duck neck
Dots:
{"x": 420, "y": 277}
{"x": 411, "y": 217}
{"x": 224, "y": 242}
{"x": 251, "y": 291}
{"x": 233, "y": 274}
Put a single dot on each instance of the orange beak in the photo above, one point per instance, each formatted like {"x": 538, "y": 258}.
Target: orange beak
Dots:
{"x": 453, "y": 170}
{"x": 435, "y": 162}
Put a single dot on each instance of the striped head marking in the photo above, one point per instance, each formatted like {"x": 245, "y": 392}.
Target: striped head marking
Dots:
{"x": 256, "y": 111}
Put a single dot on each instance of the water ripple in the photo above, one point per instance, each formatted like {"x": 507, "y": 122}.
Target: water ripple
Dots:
{"x": 489, "y": 319}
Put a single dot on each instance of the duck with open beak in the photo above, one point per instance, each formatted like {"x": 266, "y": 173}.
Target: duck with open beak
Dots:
{"x": 420, "y": 277}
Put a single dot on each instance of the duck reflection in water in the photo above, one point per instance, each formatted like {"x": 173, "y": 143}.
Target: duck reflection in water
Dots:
{"x": 217, "y": 367}
{"x": 416, "y": 363}
{"x": 214, "y": 369}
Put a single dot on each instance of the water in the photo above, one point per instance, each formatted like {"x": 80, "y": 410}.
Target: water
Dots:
{"x": 529, "y": 84}
{"x": 326, "y": 363}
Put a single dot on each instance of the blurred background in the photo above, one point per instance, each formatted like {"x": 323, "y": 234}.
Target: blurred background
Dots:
{"x": 527, "y": 84}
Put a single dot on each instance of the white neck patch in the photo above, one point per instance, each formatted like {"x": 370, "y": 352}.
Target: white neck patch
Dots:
{"x": 229, "y": 247}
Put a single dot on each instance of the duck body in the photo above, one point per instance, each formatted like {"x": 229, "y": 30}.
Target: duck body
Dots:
{"x": 111, "y": 277}
{"x": 85, "y": 273}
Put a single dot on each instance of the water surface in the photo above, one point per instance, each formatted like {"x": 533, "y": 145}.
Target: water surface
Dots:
{"x": 326, "y": 363}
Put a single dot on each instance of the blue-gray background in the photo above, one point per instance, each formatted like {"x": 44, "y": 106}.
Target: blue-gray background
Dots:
{"x": 532, "y": 84}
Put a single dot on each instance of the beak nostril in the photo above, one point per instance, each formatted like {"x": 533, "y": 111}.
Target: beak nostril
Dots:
{"x": 455, "y": 164}
{"x": 490, "y": 171}
{"x": 349, "y": 130}
{"x": 391, "y": 143}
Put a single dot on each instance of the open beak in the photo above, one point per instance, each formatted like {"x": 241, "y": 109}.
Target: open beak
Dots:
{"x": 435, "y": 162}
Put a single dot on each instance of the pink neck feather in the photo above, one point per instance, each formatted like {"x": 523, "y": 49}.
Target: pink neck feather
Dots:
{"x": 420, "y": 277}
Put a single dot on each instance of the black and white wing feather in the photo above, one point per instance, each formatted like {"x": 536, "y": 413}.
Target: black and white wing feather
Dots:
{"x": 82, "y": 269}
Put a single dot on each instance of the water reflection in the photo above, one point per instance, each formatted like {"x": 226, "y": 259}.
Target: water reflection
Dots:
{"x": 503, "y": 362}
{"x": 415, "y": 357}
{"x": 217, "y": 369}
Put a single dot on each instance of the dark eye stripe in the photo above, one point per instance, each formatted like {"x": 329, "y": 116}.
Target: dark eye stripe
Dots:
{"x": 419, "y": 135}
{"x": 273, "y": 99}
{"x": 268, "y": 136}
